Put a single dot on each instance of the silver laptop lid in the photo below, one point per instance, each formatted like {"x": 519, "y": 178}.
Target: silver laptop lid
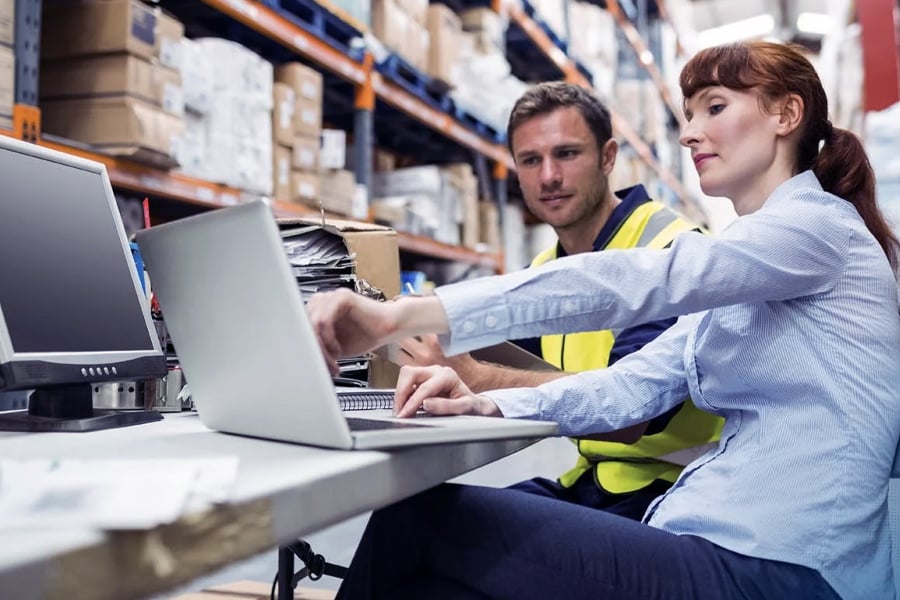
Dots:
{"x": 240, "y": 328}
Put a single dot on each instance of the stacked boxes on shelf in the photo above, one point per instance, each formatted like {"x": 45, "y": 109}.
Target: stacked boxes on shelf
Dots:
{"x": 305, "y": 85}
{"x": 231, "y": 142}
{"x": 7, "y": 62}
{"x": 432, "y": 201}
{"x": 485, "y": 87}
{"x": 595, "y": 45}
{"x": 197, "y": 85}
{"x": 339, "y": 192}
{"x": 555, "y": 14}
{"x": 109, "y": 77}
{"x": 401, "y": 26}
{"x": 444, "y": 31}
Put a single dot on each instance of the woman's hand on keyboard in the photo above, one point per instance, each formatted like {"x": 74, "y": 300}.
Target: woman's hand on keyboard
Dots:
{"x": 438, "y": 390}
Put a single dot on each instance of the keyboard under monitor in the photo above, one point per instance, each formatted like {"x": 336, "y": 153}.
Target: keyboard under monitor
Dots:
{"x": 357, "y": 424}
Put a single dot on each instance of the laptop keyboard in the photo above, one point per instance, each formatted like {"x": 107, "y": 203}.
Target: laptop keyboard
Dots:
{"x": 357, "y": 424}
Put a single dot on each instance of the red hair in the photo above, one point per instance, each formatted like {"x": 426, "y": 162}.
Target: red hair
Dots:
{"x": 775, "y": 71}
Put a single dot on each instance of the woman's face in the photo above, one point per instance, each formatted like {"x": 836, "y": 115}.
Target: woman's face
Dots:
{"x": 733, "y": 145}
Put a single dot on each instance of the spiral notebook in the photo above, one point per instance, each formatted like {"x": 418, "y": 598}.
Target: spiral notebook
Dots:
{"x": 364, "y": 398}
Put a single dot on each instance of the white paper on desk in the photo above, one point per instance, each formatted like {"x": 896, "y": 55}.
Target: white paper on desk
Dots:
{"x": 109, "y": 494}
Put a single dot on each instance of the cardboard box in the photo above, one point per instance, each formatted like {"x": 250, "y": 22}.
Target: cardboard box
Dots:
{"x": 337, "y": 191}
{"x": 281, "y": 172}
{"x": 333, "y": 149}
{"x": 378, "y": 263}
{"x": 83, "y": 27}
{"x": 120, "y": 126}
{"x": 8, "y": 22}
{"x": 308, "y": 118}
{"x": 305, "y": 156}
{"x": 113, "y": 75}
{"x": 306, "y": 81}
{"x": 445, "y": 31}
{"x": 284, "y": 106}
{"x": 488, "y": 27}
{"x": 7, "y": 83}
{"x": 415, "y": 9}
{"x": 417, "y": 45}
{"x": 170, "y": 34}
{"x": 304, "y": 189}
{"x": 375, "y": 247}
{"x": 390, "y": 24}
{"x": 489, "y": 223}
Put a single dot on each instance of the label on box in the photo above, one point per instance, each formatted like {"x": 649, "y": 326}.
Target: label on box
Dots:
{"x": 360, "y": 205}
{"x": 173, "y": 99}
{"x": 284, "y": 171}
{"x": 170, "y": 53}
{"x": 143, "y": 26}
{"x": 307, "y": 159}
{"x": 175, "y": 146}
{"x": 286, "y": 110}
{"x": 309, "y": 116}
{"x": 307, "y": 190}
{"x": 309, "y": 89}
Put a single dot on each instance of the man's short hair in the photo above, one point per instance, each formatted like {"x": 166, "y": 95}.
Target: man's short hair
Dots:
{"x": 549, "y": 96}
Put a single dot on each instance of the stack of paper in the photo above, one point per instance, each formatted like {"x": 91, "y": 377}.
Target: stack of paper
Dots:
{"x": 321, "y": 262}
{"x": 319, "y": 259}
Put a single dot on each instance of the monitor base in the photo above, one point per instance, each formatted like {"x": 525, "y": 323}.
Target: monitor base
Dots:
{"x": 101, "y": 419}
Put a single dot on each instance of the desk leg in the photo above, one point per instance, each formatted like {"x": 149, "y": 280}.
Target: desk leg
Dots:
{"x": 285, "y": 574}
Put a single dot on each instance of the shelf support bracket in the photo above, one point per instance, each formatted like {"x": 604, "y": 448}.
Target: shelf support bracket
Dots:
{"x": 27, "y": 122}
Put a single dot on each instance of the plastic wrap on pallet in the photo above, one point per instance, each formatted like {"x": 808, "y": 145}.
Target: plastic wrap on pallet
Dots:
{"x": 882, "y": 139}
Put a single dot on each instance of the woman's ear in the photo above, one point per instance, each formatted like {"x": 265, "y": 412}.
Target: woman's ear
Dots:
{"x": 790, "y": 115}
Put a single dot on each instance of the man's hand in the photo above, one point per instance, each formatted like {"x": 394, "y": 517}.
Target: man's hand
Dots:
{"x": 439, "y": 391}
{"x": 426, "y": 351}
{"x": 348, "y": 324}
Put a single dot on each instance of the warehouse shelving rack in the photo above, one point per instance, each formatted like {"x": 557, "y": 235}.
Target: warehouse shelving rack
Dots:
{"x": 357, "y": 89}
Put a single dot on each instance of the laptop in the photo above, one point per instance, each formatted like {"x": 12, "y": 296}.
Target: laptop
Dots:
{"x": 248, "y": 350}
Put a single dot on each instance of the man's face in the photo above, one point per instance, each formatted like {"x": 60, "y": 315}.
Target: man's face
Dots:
{"x": 561, "y": 173}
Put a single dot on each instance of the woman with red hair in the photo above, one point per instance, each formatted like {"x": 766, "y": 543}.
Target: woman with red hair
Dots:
{"x": 791, "y": 332}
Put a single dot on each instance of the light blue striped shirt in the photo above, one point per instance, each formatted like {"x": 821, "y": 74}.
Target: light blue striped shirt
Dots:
{"x": 792, "y": 334}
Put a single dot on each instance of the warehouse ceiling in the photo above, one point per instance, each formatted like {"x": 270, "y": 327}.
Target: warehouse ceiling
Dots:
{"x": 703, "y": 23}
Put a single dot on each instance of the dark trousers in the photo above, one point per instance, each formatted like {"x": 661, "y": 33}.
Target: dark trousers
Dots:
{"x": 466, "y": 542}
{"x": 585, "y": 492}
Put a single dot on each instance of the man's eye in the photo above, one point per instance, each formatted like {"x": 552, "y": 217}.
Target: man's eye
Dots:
{"x": 567, "y": 153}
{"x": 530, "y": 161}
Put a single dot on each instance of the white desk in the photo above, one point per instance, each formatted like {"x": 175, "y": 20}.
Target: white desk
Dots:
{"x": 283, "y": 491}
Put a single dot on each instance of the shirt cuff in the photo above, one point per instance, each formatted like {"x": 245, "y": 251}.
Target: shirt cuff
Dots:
{"x": 515, "y": 403}
{"x": 476, "y": 319}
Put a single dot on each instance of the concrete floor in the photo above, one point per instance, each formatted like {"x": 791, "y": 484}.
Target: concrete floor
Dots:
{"x": 547, "y": 458}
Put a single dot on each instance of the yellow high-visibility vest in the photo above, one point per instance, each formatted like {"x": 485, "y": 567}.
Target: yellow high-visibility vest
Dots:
{"x": 622, "y": 468}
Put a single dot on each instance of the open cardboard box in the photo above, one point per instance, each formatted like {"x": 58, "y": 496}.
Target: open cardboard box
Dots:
{"x": 377, "y": 262}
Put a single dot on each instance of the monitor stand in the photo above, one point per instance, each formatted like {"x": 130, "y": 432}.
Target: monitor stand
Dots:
{"x": 70, "y": 408}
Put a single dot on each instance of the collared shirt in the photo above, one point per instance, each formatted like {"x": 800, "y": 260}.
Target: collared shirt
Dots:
{"x": 792, "y": 333}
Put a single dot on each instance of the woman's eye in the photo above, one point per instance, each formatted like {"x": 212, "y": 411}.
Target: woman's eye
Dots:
{"x": 716, "y": 109}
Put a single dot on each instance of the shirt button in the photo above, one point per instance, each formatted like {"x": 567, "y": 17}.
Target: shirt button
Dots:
{"x": 490, "y": 321}
{"x": 468, "y": 327}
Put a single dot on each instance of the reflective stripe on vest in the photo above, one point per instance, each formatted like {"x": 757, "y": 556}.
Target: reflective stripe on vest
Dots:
{"x": 622, "y": 468}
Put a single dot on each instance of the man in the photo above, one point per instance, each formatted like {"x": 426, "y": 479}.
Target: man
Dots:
{"x": 561, "y": 140}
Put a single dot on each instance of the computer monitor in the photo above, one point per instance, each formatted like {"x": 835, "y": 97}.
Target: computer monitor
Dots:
{"x": 72, "y": 311}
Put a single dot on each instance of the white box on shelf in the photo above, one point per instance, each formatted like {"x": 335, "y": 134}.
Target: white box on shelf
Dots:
{"x": 333, "y": 149}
